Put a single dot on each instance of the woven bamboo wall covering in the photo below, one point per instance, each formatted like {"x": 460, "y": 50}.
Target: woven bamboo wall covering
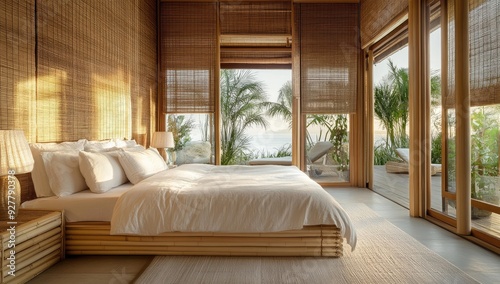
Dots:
{"x": 85, "y": 69}
{"x": 96, "y": 68}
{"x": 17, "y": 66}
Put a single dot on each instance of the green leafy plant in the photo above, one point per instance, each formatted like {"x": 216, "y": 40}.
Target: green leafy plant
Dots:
{"x": 391, "y": 105}
{"x": 484, "y": 154}
{"x": 336, "y": 126}
{"x": 243, "y": 105}
{"x": 383, "y": 154}
{"x": 283, "y": 151}
{"x": 181, "y": 130}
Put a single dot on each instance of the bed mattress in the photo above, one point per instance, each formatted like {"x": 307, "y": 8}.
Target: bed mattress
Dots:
{"x": 82, "y": 206}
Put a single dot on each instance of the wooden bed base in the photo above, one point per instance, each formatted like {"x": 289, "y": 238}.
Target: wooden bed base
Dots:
{"x": 93, "y": 238}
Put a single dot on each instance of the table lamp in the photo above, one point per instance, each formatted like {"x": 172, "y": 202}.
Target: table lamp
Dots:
{"x": 163, "y": 140}
{"x": 15, "y": 158}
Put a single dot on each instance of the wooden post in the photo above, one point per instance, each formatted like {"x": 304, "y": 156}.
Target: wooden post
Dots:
{"x": 462, "y": 104}
{"x": 296, "y": 116}
{"x": 216, "y": 115}
{"x": 369, "y": 140}
{"x": 419, "y": 166}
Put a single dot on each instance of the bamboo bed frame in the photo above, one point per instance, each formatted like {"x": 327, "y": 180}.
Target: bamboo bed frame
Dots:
{"x": 93, "y": 238}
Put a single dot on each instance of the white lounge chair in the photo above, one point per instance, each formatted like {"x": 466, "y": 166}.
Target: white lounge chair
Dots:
{"x": 403, "y": 167}
{"x": 315, "y": 153}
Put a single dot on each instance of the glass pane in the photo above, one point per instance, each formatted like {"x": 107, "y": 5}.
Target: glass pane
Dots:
{"x": 391, "y": 127}
{"x": 436, "y": 127}
{"x": 485, "y": 177}
{"x": 256, "y": 115}
{"x": 449, "y": 204}
{"x": 193, "y": 137}
{"x": 327, "y": 147}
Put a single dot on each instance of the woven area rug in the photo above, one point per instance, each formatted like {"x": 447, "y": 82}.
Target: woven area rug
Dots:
{"x": 384, "y": 254}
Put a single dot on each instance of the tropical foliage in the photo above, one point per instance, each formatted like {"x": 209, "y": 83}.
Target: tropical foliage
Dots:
{"x": 283, "y": 108}
{"x": 391, "y": 108}
{"x": 336, "y": 131}
{"x": 333, "y": 128}
{"x": 181, "y": 130}
{"x": 243, "y": 104}
{"x": 484, "y": 152}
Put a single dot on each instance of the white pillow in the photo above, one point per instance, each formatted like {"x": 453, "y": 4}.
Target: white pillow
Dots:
{"x": 124, "y": 143}
{"x": 102, "y": 171}
{"x": 38, "y": 174}
{"x": 98, "y": 146}
{"x": 139, "y": 165}
{"x": 63, "y": 172}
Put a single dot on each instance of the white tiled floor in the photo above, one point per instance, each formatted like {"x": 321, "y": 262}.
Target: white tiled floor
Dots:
{"x": 479, "y": 263}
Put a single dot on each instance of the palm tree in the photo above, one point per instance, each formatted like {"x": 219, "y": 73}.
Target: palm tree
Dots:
{"x": 243, "y": 104}
{"x": 336, "y": 125}
{"x": 283, "y": 108}
{"x": 391, "y": 104}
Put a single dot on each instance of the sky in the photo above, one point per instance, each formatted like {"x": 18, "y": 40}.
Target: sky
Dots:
{"x": 400, "y": 58}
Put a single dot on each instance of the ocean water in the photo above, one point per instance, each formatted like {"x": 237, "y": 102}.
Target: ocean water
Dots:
{"x": 270, "y": 142}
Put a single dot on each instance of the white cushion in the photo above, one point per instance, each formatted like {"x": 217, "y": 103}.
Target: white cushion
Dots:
{"x": 39, "y": 175}
{"x": 102, "y": 171}
{"x": 63, "y": 172}
{"x": 123, "y": 143}
{"x": 404, "y": 154}
{"x": 139, "y": 165}
{"x": 98, "y": 146}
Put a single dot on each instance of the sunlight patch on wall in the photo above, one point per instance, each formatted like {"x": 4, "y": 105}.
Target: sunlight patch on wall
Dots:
{"x": 113, "y": 110}
{"x": 50, "y": 103}
{"x": 25, "y": 106}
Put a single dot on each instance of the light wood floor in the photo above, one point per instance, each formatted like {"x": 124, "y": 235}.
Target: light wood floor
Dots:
{"x": 395, "y": 187}
{"x": 479, "y": 263}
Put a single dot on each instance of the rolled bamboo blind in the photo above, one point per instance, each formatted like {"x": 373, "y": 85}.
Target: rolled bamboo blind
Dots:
{"x": 484, "y": 48}
{"x": 256, "y": 17}
{"x": 377, "y": 14}
{"x": 249, "y": 20}
{"x": 17, "y": 67}
{"x": 329, "y": 57}
{"x": 189, "y": 56}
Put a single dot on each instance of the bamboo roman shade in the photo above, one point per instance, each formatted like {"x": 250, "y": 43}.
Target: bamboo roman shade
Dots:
{"x": 484, "y": 37}
{"x": 255, "y": 32}
{"x": 484, "y": 49}
{"x": 189, "y": 56}
{"x": 329, "y": 57}
{"x": 376, "y": 15}
{"x": 256, "y": 17}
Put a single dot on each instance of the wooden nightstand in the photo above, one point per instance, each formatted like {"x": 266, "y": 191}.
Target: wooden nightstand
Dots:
{"x": 31, "y": 243}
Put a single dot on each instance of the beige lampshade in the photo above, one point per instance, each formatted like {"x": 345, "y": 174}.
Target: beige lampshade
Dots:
{"x": 15, "y": 153}
{"x": 163, "y": 140}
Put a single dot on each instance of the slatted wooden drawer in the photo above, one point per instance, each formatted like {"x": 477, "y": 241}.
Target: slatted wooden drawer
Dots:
{"x": 31, "y": 243}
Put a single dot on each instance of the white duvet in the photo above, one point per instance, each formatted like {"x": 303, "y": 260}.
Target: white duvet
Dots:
{"x": 246, "y": 199}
